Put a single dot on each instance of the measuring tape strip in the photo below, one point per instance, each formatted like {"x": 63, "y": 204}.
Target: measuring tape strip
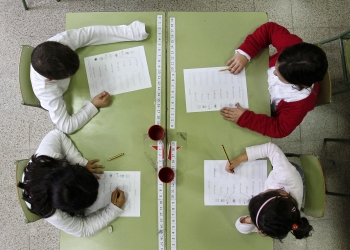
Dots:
{"x": 173, "y": 197}
{"x": 172, "y": 73}
{"x": 158, "y": 104}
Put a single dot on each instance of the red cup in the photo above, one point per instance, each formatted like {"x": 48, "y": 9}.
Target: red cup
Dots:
{"x": 156, "y": 132}
{"x": 166, "y": 174}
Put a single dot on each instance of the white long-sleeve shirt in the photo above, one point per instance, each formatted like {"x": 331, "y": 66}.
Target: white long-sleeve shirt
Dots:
{"x": 57, "y": 145}
{"x": 50, "y": 94}
{"x": 284, "y": 175}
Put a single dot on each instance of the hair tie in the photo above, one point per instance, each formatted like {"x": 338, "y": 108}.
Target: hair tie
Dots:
{"x": 295, "y": 227}
{"x": 294, "y": 209}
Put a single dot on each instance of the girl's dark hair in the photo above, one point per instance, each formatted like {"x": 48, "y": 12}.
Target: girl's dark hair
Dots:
{"x": 51, "y": 184}
{"x": 303, "y": 64}
{"x": 278, "y": 216}
{"x": 54, "y": 60}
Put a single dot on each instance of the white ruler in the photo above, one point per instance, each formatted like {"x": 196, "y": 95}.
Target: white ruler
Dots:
{"x": 173, "y": 198}
{"x": 161, "y": 229}
{"x": 172, "y": 73}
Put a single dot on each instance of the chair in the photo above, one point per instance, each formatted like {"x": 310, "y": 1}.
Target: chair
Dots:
{"x": 324, "y": 95}
{"x": 28, "y": 96}
{"x": 345, "y": 57}
{"x": 30, "y": 217}
{"x": 25, "y": 4}
{"x": 316, "y": 191}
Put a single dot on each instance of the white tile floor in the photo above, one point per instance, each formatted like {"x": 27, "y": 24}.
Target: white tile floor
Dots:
{"x": 22, "y": 128}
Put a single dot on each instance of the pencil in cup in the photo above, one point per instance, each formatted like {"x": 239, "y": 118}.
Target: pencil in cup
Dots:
{"x": 114, "y": 157}
{"x": 223, "y": 147}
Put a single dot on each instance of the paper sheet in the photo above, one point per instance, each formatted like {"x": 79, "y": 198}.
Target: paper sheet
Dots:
{"x": 224, "y": 189}
{"x": 208, "y": 89}
{"x": 118, "y": 71}
{"x": 129, "y": 182}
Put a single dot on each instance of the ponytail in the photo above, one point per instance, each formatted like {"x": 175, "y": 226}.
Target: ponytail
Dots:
{"x": 276, "y": 214}
{"x": 302, "y": 228}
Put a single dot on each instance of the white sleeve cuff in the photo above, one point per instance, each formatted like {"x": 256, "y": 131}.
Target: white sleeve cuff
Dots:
{"x": 245, "y": 228}
{"x": 91, "y": 109}
{"x": 243, "y": 53}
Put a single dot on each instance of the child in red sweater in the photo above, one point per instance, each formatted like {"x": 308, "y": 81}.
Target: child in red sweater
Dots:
{"x": 292, "y": 76}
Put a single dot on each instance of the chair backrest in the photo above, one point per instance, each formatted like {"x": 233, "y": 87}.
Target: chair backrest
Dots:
{"x": 30, "y": 217}
{"x": 315, "y": 197}
{"x": 28, "y": 96}
{"x": 325, "y": 91}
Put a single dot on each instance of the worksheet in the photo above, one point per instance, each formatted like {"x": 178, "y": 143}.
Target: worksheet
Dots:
{"x": 209, "y": 89}
{"x": 118, "y": 71}
{"x": 127, "y": 181}
{"x": 225, "y": 189}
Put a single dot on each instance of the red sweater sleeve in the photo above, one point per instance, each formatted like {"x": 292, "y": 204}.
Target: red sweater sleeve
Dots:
{"x": 266, "y": 34}
{"x": 287, "y": 117}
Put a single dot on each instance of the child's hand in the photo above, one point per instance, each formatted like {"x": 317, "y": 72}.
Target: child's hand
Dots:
{"x": 237, "y": 63}
{"x": 232, "y": 114}
{"x": 233, "y": 164}
{"x": 101, "y": 100}
{"x": 118, "y": 198}
{"x": 91, "y": 166}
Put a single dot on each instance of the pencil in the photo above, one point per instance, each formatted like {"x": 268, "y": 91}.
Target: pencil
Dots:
{"x": 114, "y": 157}
{"x": 225, "y": 69}
{"x": 227, "y": 156}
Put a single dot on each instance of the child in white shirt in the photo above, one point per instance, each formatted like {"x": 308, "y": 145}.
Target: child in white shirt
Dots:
{"x": 276, "y": 211}
{"x": 54, "y": 62}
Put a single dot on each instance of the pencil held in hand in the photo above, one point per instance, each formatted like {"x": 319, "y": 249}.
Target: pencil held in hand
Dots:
{"x": 221, "y": 70}
{"x": 223, "y": 147}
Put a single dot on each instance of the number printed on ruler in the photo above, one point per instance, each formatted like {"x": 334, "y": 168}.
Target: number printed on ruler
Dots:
{"x": 173, "y": 197}
{"x": 172, "y": 73}
{"x": 158, "y": 106}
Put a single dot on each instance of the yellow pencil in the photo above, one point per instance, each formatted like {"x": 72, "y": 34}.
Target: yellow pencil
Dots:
{"x": 114, "y": 157}
{"x": 225, "y": 69}
{"x": 227, "y": 156}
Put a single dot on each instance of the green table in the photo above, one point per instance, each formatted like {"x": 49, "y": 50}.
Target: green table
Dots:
{"x": 202, "y": 40}
{"x": 121, "y": 127}
{"x": 209, "y": 40}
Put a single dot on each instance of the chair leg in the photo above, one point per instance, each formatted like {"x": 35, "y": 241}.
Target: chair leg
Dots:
{"x": 337, "y": 194}
{"x": 291, "y": 155}
{"x": 25, "y": 4}
{"x": 336, "y": 140}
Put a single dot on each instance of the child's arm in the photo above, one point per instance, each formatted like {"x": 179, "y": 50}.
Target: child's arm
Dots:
{"x": 266, "y": 34}
{"x": 235, "y": 162}
{"x": 95, "y": 35}
{"x": 87, "y": 226}
{"x": 57, "y": 145}
{"x": 281, "y": 125}
{"x": 245, "y": 225}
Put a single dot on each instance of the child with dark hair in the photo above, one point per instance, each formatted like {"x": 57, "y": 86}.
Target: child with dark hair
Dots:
{"x": 54, "y": 62}
{"x": 275, "y": 212}
{"x": 293, "y": 76}
{"x": 58, "y": 185}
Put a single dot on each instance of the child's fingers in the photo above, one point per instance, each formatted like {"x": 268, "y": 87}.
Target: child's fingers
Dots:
{"x": 97, "y": 166}
{"x": 97, "y": 171}
{"x": 97, "y": 177}
{"x": 230, "y": 61}
{"x": 94, "y": 161}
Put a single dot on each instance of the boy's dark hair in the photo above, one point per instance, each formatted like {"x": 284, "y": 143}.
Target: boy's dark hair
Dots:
{"x": 303, "y": 64}
{"x": 278, "y": 216}
{"x": 54, "y": 60}
{"x": 51, "y": 184}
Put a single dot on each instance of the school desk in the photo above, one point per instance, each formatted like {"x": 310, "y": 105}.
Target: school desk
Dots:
{"x": 202, "y": 40}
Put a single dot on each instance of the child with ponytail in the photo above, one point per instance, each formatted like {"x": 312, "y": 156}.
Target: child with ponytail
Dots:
{"x": 276, "y": 211}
